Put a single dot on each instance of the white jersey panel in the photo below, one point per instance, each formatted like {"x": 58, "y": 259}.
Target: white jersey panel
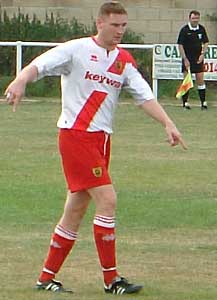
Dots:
{"x": 91, "y": 81}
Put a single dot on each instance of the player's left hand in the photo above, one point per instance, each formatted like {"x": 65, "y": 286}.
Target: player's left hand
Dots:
{"x": 175, "y": 137}
{"x": 200, "y": 59}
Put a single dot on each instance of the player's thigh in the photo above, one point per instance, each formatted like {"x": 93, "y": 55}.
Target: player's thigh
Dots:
{"x": 105, "y": 199}
{"x": 77, "y": 201}
{"x": 75, "y": 208}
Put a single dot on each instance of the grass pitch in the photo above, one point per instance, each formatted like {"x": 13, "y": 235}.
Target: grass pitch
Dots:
{"x": 167, "y": 205}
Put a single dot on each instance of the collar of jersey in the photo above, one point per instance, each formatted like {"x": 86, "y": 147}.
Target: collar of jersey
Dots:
{"x": 104, "y": 49}
{"x": 193, "y": 28}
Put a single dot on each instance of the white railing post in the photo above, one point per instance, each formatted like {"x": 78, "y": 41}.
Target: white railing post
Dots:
{"x": 19, "y": 57}
{"x": 155, "y": 87}
{"x": 154, "y": 80}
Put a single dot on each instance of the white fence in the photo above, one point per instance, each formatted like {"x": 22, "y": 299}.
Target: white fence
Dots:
{"x": 20, "y": 44}
{"x": 166, "y": 62}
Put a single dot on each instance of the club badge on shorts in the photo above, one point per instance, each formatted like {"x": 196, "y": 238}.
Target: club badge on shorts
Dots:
{"x": 97, "y": 171}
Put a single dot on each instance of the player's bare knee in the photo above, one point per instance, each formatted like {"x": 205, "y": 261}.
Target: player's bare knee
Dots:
{"x": 106, "y": 205}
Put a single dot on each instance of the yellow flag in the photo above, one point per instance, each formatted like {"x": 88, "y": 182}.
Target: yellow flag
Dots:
{"x": 186, "y": 85}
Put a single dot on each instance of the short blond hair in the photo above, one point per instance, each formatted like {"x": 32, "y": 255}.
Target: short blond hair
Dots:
{"x": 112, "y": 7}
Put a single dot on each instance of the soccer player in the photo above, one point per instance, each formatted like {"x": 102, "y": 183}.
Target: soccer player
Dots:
{"x": 193, "y": 42}
{"x": 93, "y": 71}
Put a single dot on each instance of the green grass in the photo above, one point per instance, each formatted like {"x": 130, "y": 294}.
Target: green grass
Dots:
{"x": 167, "y": 205}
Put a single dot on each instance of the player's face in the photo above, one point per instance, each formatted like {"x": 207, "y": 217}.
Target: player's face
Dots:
{"x": 194, "y": 20}
{"x": 111, "y": 29}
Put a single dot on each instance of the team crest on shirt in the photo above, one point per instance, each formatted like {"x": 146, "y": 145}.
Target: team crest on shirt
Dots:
{"x": 200, "y": 36}
{"x": 97, "y": 172}
{"x": 119, "y": 66}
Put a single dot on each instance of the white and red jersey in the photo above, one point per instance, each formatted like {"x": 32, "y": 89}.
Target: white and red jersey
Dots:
{"x": 91, "y": 80}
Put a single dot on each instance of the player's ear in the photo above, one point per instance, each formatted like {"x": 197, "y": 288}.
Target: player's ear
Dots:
{"x": 99, "y": 22}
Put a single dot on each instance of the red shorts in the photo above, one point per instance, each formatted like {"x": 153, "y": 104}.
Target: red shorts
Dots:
{"x": 85, "y": 158}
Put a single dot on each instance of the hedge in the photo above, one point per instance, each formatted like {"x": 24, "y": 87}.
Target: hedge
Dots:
{"x": 53, "y": 29}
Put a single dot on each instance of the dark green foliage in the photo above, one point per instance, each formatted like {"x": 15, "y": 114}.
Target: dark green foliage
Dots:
{"x": 143, "y": 56}
{"x": 54, "y": 29}
{"x": 211, "y": 17}
{"x": 21, "y": 28}
{"x": 4, "y": 81}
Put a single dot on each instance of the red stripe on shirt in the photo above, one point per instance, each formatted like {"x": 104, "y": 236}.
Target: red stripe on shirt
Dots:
{"x": 89, "y": 110}
{"x": 122, "y": 58}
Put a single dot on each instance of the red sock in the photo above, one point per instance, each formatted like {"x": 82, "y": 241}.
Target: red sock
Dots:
{"x": 104, "y": 234}
{"x": 60, "y": 246}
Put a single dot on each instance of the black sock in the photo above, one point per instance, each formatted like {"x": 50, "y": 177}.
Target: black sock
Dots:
{"x": 202, "y": 95}
{"x": 185, "y": 98}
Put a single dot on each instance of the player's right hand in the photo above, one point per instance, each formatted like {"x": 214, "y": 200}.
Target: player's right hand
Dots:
{"x": 14, "y": 93}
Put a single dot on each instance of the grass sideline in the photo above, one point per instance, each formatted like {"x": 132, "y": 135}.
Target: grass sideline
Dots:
{"x": 167, "y": 205}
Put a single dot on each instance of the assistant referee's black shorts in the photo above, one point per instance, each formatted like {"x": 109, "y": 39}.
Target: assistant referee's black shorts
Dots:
{"x": 194, "y": 66}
